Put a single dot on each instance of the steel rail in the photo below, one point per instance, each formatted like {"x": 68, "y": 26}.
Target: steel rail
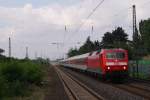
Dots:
{"x": 62, "y": 76}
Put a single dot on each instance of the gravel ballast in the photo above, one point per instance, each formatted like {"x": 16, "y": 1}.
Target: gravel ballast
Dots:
{"x": 107, "y": 91}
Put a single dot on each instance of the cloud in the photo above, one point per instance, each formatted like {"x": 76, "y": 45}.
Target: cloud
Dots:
{"x": 38, "y": 27}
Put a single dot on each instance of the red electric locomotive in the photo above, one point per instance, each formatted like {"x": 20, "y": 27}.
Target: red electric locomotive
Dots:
{"x": 105, "y": 62}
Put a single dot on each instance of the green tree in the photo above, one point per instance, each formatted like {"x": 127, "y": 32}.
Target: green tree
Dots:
{"x": 117, "y": 39}
{"x": 144, "y": 28}
{"x": 88, "y": 46}
{"x": 107, "y": 40}
{"x": 73, "y": 52}
{"x": 137, "y": 46}
{"x": 119, "y": 35}
{"x": 1, "y": 51}
{"x": 97, "y": 45}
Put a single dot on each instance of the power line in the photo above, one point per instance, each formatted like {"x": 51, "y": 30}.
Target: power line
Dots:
{"x": 61, "y": 43}
{"x": 121, "y": 11}
{"x": 97, "y": 6}
{"x": 145, "y": 3}
{"x": 114, "y": 15}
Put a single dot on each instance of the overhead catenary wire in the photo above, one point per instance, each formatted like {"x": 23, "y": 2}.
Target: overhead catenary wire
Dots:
{"x": 89, "y": 15}
{"x": 114, "y": 15}
{"x": 148, "y": 1}
{"x": 129, "y": 8}
{"x": 98, "y": 5}
{"x": 121, "y": 11}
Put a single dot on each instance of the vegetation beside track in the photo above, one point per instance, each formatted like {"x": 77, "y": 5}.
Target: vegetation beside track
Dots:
{"x": 21, "y": 78}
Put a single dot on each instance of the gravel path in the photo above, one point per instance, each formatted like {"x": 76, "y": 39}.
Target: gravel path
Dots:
{"x": 55, "y": 89}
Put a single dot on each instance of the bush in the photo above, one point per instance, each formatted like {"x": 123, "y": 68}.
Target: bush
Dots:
{"x": 33, "y": 72}
{"x": 17, "y": 88}
{"x": 12, "y": 72}
{"x": 3, "y": 87}
{"x": 17, "y": 76}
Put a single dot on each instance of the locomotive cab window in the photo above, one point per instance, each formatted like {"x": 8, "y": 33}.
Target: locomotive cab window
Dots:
{"x": 120, "y": 55}
{"x": 115, "y": 55}
{"x": 110, "y": 55}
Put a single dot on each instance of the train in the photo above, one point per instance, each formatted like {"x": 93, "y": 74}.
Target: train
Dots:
{"x": 106, "y": 63}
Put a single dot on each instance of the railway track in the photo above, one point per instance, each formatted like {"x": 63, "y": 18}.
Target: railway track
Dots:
{"x": 140, "y": 86}
{"x": 140, "y": 80}
{"x": 75, "y": 89}
{"x": 136, "y": 89}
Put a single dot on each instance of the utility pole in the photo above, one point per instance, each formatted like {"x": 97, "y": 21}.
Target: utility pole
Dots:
{"x": 65, "y": 28}
{"x": 134, "y": 23}
{"x": 27, "y": 56}
{"x": 9, "y": 48}
{"x": 136, "y": 39}
{"x": 64, "y": 41}
{"x": 92, "y": 29}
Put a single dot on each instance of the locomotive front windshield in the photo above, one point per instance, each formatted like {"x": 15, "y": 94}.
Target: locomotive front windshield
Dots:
{"x": 115, "y": 55}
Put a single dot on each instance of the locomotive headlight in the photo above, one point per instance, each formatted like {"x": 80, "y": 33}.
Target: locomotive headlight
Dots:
{"x": 124, "y": 67}
{"x": 108, "y": 68}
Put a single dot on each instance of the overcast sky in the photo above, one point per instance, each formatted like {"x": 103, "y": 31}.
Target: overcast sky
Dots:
{"x": 38, "y": 23}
